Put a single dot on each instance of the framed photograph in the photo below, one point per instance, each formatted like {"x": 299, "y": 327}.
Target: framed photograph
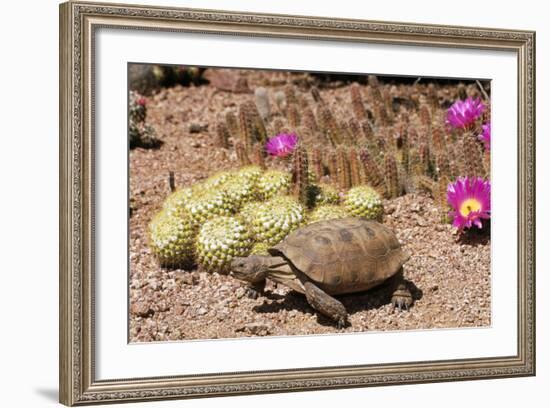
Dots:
{"x": 256, "y": 203}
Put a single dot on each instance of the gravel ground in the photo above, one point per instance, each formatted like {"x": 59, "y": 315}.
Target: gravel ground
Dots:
{"x": 449, "y": 275}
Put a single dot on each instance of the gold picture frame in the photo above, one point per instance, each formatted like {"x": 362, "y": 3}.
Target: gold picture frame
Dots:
{"x": 78, "y": 22}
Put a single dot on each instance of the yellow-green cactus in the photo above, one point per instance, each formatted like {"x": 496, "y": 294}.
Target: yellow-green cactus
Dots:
{"x": 220, "y": 240}
{"x": 252, "y": 172}
{"x": 248, "y": 211}
{"x": 208, "y": 203}
{"x": 171, "y": 238}
{"x": 176, "y": 201}
{"x": 276, "y": 218}
{"x": 327, "y": 212}
{"x": 322, "y": 194}
{"x": 243, "y": 186}
{"x": 217, "y": 179}
{"x": 259, "y": 248}
{"x": 364, "y": 201}
{"x": 274, "y": 183}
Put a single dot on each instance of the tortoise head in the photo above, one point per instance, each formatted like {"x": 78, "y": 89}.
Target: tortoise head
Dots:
{"x": 251, "y": 269}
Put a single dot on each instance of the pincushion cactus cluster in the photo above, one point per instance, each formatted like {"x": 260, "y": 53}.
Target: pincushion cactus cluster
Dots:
{"x": 140, "y": 133}
{"x": 276, "y": 218}
{"x": 364, "y": 201}
{"x": 172, "y": 238}
{"x": 205, "y": 204}
{"x": 220, "y": 240}
{"x": 176, "y": 201}
{"x": 274, "y": 182}
{"x": 241, "y": 212}
{"x": 323, "y": 193}
{"x": 327, "y": 212}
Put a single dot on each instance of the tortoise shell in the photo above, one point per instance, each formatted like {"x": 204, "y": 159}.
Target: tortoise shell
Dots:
{"x": 343, "y": 255}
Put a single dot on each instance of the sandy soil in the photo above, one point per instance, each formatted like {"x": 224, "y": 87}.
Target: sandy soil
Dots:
{"x": 449, "y": 275}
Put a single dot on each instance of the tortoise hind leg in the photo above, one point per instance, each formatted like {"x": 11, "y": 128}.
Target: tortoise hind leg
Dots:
{"x": 326, "y": 304}
{"x": 401, "y": 295}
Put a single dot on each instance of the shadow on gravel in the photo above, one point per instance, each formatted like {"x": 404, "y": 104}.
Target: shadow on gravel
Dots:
{"x": 354, "y": 303}
{"x": 475, "y": 237}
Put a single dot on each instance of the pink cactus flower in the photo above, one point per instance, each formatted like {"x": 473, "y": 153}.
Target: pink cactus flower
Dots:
{"x": 485, "y": 135}
{"x": 463, "y": 114}
{"x": 141, "y": 101}
{"x": 470, "y": 200}
{"x": 281, "y": 145}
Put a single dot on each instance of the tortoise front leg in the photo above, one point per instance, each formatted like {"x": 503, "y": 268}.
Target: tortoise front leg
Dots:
{"x": 326, "y": 304}
{"x": 255, "y": 289}
{"x": 401, "y": 295}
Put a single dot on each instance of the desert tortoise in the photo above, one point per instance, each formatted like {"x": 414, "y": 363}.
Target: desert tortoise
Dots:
{"x": 331, "y": 257}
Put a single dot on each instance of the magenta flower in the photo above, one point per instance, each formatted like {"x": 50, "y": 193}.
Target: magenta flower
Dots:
{"x": 485, "y": 135}
{"x": 281, "y": 145}
{"x": 141, "y": 101}
{"x": 463, "y": 114}
{"x": 470, "y": 199}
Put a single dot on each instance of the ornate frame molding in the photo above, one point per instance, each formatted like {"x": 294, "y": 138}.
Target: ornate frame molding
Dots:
{"x": 77, "y": 24}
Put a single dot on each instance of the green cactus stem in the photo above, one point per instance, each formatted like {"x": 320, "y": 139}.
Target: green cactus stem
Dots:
{"x": 472, "y": 159}
{"x": 357, "y": 104}
{"x": 328, "y": 125}
{"x": 222, "y": 135}
{"x": 232, "y": 123}
{"x": 372, "y": 172}
{"x": 393, "y": 187}
{"x": 300, "y": 175}
{"x": 344, "y": 171}
{"x": 355, "y": 169}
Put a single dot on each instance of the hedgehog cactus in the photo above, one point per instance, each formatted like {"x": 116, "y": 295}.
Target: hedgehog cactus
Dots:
{"x": 276, "y": 218}
{"x": 393, "y": 188}
{"x": 242, "y": 155}
{"x": 472, "y": 159}
{"x": 137, "y": 107}
{"x": 273, "y": 183}
{"x": 222, "y": 135}
{"x": 364, "y": 201}
{"x": 327, "y": 212}
{"x": 355, "y": 171}
{"x": 300, "y": 174}
{"x": 344, "y": 171}
{"x": 172, "y": 237}
{"x": 220, "y": 240}
{"x": 372, "y": 172}
{"x": 329, "y": 125}
{"x": 357, "y": 103}
{"x": 317, "y": 163}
